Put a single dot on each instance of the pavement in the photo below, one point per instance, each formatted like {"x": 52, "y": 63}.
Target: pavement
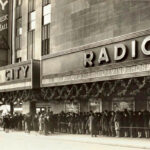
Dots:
{"x": 134, "y": 143}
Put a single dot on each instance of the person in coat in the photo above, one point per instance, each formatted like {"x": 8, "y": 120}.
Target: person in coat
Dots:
{"x": 125, "y": 124}
{"x": 6, "y": 122}
{"x": 146, "y": 123}
{"x": 140, "y": 124}
{"x": 35, "y": 123}
{"x": 92, "y": 125}
{"x": 117, "y": 120}
{"x": 105, "y": 123}
{"x": 27, "y": 120}
{"x": 112, "y": 123}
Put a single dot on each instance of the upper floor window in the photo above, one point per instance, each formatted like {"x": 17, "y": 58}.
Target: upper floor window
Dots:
{"x": 18, "y": 8}
{"x": 32, "y": 17}
{"x": 46, "y": 27}
{"x": 19, "y": 26}
{"x": 47, "y": 14}
{"x": 45, "y": 2}
{"x": 31, "y": 5}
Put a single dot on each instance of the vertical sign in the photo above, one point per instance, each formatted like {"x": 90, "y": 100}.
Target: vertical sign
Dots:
{"x": 4, "y": 24}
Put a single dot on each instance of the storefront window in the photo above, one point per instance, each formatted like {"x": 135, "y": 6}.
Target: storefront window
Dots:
{"x": 120, "y": 104}
{"x": 95, "y": 105}
{"x": 72, "y": 107}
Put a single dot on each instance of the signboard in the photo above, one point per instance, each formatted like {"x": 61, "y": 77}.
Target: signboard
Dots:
{"x": 15, "y": 73}
{"x": 118, "y": 52}
{"x": 4, "y": 24}
{"x": 114, "y": 59}
{"x": 25, "y": 75}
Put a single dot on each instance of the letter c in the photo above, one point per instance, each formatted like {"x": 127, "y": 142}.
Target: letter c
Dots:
{"x": 143, "y": 46}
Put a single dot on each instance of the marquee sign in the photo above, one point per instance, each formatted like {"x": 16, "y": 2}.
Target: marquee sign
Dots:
{"x": 4, "y": 24}
{"x": 119, "y": 52}
{"x": 19, "y": 76}
{"x": 106, "y": 61}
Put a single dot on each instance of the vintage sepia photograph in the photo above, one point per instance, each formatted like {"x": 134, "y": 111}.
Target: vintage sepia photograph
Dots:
{"x": 74, "y": 74}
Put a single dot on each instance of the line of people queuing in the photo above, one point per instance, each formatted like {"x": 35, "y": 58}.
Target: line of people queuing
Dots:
{"x": 108, "y": 123}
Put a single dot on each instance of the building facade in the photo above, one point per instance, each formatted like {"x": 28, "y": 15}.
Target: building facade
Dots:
{"x": 93, "y": 54}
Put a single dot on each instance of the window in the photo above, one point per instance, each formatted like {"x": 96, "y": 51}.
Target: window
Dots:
{"x": 31, "y": 5}
{"x": 18, "y": 42}
{"x": 18, "y": 59}
{"x": 46, "y": 27}
{"x": 31, "y": 28}
{"x": 31, "y": 44}
{"x": 18, "y": 25}
{"x": 18, "y": 8}
{"x": 32, "y": 20}
{"x": 45, "y": 2}
{"x": 47, "y": 14}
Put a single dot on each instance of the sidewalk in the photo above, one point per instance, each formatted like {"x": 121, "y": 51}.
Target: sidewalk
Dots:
{"x": 112, "y": 141}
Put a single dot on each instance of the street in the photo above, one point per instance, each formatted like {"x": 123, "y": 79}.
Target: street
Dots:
{"x": 22, "y": 141}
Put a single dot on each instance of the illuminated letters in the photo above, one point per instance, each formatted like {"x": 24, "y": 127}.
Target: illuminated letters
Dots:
{"x": 117, "y": 52}
{"x": 25, "y": 69}
{"x": 143, "y": 46}
{"x": 103, "y": 56}
{"x": 122, "y": 49}
{"x": 3, "y": 4}
{"x": 17, "y": 73}
{"x": 88, "y": 59}
{"x": 134, "y": 49}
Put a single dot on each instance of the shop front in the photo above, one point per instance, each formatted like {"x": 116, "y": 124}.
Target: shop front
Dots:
{"x": 108, "y": 75}
{"x": 19, "y": 86}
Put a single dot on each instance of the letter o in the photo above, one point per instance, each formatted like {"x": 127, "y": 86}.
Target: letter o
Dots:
{"x": 143, "y": 46}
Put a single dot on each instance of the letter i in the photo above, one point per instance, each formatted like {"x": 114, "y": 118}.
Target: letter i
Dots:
{"x": 134, "y": 46}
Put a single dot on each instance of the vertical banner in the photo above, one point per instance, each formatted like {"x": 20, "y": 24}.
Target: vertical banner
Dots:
{"x": 4, "y": 24}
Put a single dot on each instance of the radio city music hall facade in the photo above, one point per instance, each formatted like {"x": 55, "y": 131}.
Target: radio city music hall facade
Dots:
{"x": 75, "y": 55}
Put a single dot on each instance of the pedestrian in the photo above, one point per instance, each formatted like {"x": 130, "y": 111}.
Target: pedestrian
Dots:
{"x": 35, "y": 123}
{"x": 125, "y": 124}
{"x": 46, "y": 124}
{"x": 146, "y": 123}
{"x": 6, "y": 122}
{"x": 92, "y": 125}
{"x": 140, "y": 124}
{"x": 112, "y": 123}
{"x": 105, "y": 123}
{"x": 117, "y": 120}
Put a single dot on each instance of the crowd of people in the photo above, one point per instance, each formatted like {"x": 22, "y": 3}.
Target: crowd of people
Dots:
{"x": 108, "y": 123}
